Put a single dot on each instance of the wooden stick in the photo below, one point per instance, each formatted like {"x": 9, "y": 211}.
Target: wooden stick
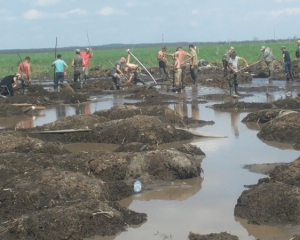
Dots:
{"x": 22, "y": 104}
{"x": 244, "y": 68}
{"x": 63, "y": 131}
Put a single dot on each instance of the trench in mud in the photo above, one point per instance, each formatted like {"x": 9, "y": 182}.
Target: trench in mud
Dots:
{"x": 202, "y": 205}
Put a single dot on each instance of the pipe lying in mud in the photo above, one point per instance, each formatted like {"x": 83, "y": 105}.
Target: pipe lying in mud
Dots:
{"x": 201, "y": 134}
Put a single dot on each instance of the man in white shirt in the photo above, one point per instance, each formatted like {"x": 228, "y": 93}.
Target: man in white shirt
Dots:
{"x": 233, "y": 65}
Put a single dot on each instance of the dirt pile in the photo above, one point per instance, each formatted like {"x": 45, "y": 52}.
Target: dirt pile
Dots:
{"x": 159, "y": 165}
{"x": 13, "y": 141}
{"x": 150, "y": 96}
{"x": 74, "y": 122}
{"x": 163, "y": 112}
{"x": 7, "y": 110}
{"x": 242, "y": 106}
{"x": 262, "y": 116}
{"x": 284, "y": 128}
{"x": 54, "y": 197}
{"x": 140, "y": 128}
{"x": 261, "y": 69}
{"x": 219, "y": 236}
{"x": 274, "y": 200}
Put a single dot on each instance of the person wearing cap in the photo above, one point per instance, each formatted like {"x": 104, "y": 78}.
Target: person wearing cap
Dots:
{"x": 87, "y": 55}
{"x": 77, "y": 64}
{"x": 269, "y": 60}
{"x": 193, "y": 64}
{"x": 287, "y": 63}
{"x": 233, "y": 66}
{"x": 8, "y": 84}
{"x": 162, "y": 63}
{"x": 24, "y": 69}
{"x": 60, "y": 71}
{"x": 116, "y": 73}
{"x": 225, "y": 60}
{"x": 179, "y": 68}
{"x": 134, "y": 71}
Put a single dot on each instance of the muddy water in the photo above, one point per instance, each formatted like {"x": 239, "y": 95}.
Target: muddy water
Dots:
{"x": 206, "y": 204}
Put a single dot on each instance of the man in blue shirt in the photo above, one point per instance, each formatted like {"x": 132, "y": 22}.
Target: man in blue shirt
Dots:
{"x": 60, "y": 71}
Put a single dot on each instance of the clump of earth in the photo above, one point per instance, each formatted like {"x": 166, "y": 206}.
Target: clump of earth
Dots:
{"x": 221, "y": 236}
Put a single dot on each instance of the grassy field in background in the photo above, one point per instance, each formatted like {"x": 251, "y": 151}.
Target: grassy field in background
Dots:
{"x": 41, "y": 62}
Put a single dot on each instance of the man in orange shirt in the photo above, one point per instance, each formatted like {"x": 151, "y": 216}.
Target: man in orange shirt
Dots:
{"x": 86, "y": 57}
{"x": 25, "y": 70}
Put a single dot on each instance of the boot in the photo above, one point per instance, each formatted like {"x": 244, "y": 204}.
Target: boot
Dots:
{"x": 235, "y": 89}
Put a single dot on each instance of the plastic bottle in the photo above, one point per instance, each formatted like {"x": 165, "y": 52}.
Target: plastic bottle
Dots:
{"x": 137, "y": 187}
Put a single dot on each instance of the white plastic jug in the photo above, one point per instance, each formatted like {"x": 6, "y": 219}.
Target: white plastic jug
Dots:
{"x": 137, "y": 187}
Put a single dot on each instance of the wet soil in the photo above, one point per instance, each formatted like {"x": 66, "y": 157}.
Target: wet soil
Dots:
{"x": 264, "y": 168}
{"x": 162, "y": 112}
{"x": 220, "y": 236}
{"x": 274, "y": 200}
{"x": 7, "y": 110}
{"x": 37, "y": 95}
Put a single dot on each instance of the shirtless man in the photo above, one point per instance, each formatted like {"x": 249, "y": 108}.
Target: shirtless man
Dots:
{"x": 134, "y": 71}
{"x": 162, "y": 63}
{"x": 179, "y": 67}
{"x": 25, "y": 70}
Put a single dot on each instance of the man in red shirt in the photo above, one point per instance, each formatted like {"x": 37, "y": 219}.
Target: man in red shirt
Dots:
{"x": 25, "y": 70}
{"x": 86, "y": 57}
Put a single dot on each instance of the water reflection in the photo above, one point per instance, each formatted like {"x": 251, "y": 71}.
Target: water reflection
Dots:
{"x": 235, "y": 120}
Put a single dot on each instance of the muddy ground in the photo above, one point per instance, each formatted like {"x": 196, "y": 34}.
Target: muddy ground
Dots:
{"x": 219, "y": 236}
{"x": 274, "y": 200}
{"x": 50, "y": 193}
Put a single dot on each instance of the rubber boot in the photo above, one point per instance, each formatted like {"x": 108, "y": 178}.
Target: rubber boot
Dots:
{"x": 235, "y": 89}
{"x": 230, "y": 89}
{"x": 292, "y": 77}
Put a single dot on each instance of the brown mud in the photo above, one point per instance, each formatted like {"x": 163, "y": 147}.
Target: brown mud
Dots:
{"x": 219, "y": 236}
{"x": 7, "y": 110}
{"x": 69, "y": 196}
{"x": 274, "y": 200}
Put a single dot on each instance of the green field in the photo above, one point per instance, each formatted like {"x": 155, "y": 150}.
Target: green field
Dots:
{"x": 41, "y": 62}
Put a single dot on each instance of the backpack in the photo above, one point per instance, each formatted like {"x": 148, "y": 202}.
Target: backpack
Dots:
{"x": 297, "y": 53}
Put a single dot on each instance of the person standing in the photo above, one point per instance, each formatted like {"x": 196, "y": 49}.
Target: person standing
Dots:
{"x": 24, "y": 69}
{"x": 8, "y": 84}
{"x": 225, "y": 60}
{"x": 287, "y": 63}
{"x": 116, "y": 73}
{"x": 233, "y": 66}
{"x": 87, "y": 55}
{"x": 60, "y": 71}
{"x": 162, "y": 63}
{"x": 298, "y": 54}
{"x": 179, "y": 67}
{"x": 77, "y": 64}
{"x": 193, "y": 64}
{"x": 134, "y": 71}
{"x": 269, "y": 60}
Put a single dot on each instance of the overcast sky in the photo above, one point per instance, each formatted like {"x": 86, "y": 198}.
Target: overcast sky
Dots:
{"x": 36, "y": 23}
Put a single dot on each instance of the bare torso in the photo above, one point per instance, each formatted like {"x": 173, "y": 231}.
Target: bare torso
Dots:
{"x": 179, "y": 58}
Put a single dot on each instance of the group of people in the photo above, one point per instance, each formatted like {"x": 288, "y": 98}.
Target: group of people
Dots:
{"x": 132, "y": 72}
{"x": 230, "y": 60}
{"x": 180, "y": 58}
{"x": 80, "y": 63}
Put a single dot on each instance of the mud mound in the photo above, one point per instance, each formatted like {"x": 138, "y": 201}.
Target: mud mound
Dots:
{"x": 74, "y": 122}
{"x": 46, "y": 185}
{"x": 140, "y": 128}
{"x": 242, "y": 106}
{"x": 288, "y": 103}
{"x": 82, "y": 220}
{"x": 7, "y": 110}
{"x": 287, "y": 173}
{"x": 150, "y": 95}
{"x": 191, "y": 149}
{"x": 219, "y": 236}
{"x": 270, "y": 204}
{"x": 163, "y": 112}
{"x": 162, "y": 165}
{"x": 17, "y": 142}
{"x": 68, "y": 97}
{"x": 261, "y": 116}
{"x": 37, "y": 90}
{"x": 283, "y": 128}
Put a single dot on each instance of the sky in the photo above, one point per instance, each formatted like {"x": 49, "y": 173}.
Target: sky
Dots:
{"x": 36, "y": 23}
